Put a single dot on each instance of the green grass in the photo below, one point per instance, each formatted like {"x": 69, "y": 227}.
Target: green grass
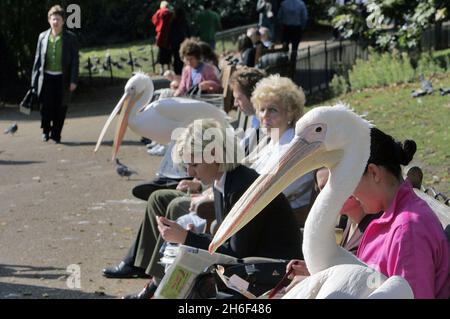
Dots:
{"x": 141, "y": 50}
{"x": 425, "y": 120}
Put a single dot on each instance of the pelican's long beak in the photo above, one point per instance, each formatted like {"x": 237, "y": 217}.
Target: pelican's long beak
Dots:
{"x": 124, "y": 106}
{"x": 301, "y": 158}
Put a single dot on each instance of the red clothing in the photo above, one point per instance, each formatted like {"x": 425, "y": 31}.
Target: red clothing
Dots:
{"x": 162, "y": 20}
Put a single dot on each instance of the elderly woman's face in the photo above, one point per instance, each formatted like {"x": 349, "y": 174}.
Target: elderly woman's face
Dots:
{"x": 273, "y": 115}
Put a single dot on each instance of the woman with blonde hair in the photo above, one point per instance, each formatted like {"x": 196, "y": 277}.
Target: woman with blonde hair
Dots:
{"x": 213, "y": 154}
{"x": 279, "y": 105}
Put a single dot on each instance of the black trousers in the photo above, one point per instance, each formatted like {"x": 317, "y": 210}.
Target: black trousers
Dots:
{"x": 53, "y": 112}
{"x": 292, "y": 35}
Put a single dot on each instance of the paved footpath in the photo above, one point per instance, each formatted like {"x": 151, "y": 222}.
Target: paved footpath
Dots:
{"x": 64, "y": 212}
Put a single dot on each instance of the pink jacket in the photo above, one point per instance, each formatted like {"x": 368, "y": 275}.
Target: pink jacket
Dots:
{"x": 207, "y": 74}
{"x": 408, "y": 240}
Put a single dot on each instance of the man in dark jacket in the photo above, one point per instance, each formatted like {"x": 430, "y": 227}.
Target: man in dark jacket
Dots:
{"x": 55, "y": 73}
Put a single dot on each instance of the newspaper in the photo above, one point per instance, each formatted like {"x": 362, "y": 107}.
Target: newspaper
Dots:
{"x": 189, "y": 263}
{"x": 235, "y": 283}
{"x": 184, "y": 264}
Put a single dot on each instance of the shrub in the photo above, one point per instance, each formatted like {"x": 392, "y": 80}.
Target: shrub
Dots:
{"x": 339, "y": 85}
{"x": 393, "y": 68}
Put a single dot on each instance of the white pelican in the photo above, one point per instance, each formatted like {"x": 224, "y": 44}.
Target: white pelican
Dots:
{"x": 156, "y": 120}
{"x": 336, "y": 138}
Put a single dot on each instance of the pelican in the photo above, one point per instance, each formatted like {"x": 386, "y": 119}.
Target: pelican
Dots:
{"x": 156, "y": 120}
{"x": 338, "y": 139}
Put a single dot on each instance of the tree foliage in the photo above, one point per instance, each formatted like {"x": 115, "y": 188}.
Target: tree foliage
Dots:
{"x": 389, "y": 24}
{"x": 103, "y": 22}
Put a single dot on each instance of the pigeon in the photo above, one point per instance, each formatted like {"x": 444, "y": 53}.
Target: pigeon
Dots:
{"x": 443, "y": 91}
{"x": 123, "y": 170}
{"x": 426, "y": 88}
{"x": 418, "y": 93}
{"x": 117, "y": 65}
{"x": 426, "y": 85}
{"x": 12, "y": 129}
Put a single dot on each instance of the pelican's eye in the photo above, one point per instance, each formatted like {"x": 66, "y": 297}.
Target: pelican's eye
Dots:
{"x": 315, "y": 132}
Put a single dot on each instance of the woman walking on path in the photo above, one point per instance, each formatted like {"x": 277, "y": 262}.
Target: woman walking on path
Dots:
{"x": 55, "y": 73}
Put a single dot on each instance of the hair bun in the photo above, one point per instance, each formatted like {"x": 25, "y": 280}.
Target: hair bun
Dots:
{"x": 408, "y": 150}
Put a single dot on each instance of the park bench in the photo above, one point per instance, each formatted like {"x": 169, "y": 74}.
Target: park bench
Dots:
{"x": 441, "y": 210}
{"x": 275, "y": 61}
{"x": 436, "y": 195}
{"x": 222, "y": 100}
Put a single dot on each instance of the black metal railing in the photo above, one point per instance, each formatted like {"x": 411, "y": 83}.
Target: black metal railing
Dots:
{"x": 315, "y": 66}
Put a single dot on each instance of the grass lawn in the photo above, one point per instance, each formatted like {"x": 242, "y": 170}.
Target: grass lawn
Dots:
{"x": 425, "y": 120}
{"x": 143, "y": 52}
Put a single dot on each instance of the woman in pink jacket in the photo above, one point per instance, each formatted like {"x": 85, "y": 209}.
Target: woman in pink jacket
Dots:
{"x": 195, "y": 71}
{"x": 407, "y": 240}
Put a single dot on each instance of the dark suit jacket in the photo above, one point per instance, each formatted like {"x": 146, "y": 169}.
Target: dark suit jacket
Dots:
{"x": 272, "y": 233}
{"x": 70, "y": 61}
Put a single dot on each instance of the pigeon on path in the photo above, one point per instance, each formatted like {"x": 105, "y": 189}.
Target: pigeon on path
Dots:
{"x": 12, "y": 129}
{"x": 123, "y": 170}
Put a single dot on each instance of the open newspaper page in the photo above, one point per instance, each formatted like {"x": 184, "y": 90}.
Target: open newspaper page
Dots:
{"x": 188, "y": 264}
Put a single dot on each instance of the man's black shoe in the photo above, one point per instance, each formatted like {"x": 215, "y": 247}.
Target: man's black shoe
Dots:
{"x": 124, "y": 271}
{"x": 145, "y": 140}
{"x": 56, "y": 140}
{"x": 146, "y": 293}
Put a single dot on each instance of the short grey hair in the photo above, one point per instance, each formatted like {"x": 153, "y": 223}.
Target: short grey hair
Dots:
{"x": 201, "y": 137}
